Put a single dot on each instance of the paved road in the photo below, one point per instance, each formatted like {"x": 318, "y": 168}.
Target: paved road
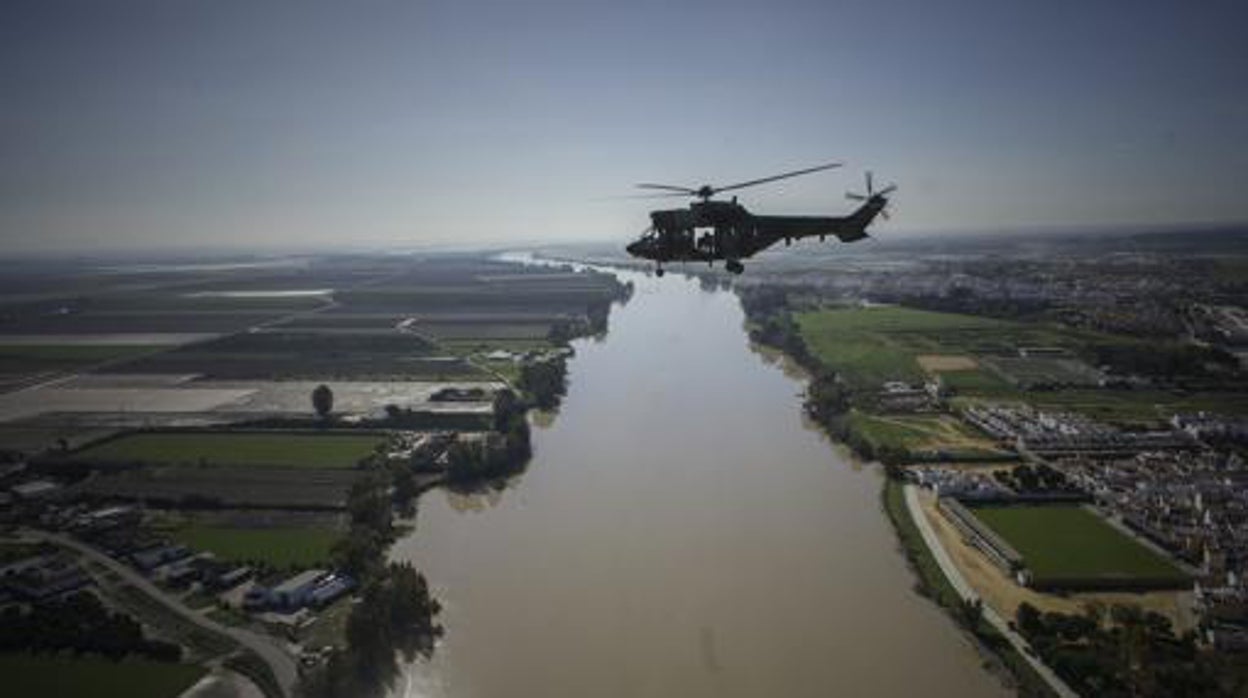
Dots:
{"x": 965, "y": 591}
{"x": 278, "y": 659}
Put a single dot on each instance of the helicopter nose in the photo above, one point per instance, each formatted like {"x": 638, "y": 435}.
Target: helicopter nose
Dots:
{"x": 634, "y": 248}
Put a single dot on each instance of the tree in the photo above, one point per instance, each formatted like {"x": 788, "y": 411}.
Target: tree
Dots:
{"x": 322, "y": 400}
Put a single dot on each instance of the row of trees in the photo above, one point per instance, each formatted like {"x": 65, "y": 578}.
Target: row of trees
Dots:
{"x": 544, "y": 381}
{"x": 829, "y": 399}
{"x": 80, "y": 623}
{"x": 396, "y": 614}
{"x": 503, "y": 452}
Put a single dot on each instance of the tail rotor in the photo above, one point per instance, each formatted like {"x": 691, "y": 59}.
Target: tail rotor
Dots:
{"x": 873, "y": 195}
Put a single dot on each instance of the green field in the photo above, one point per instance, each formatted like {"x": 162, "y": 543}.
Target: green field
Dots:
{"x": 289, "y": 449}
{"x": 37, "y": 358}
{"x": 27, "y": 675}
{"x": 1069, "y": 545}
{"x": 276, "y": 547}
{"x": 978, "y": 382}
{"x": 869, "y": 346}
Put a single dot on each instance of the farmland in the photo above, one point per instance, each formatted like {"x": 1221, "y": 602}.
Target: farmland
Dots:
{"x": 872, "y": 345}
{"x": 923, "y": 436}
{"x": 49, "y": 357}
{"x": 1145, "y": 408}
{"x": 23, "y": 362}
{"x": 306, "y": 354}
{"x": 978, "y": 359}
{"x": 63, "y": 677}
{"x": 277, "y": 547}
{"x": 1070, "y": 546}
{"x": 274, "y": 450}
{"x": 312, "y": 489}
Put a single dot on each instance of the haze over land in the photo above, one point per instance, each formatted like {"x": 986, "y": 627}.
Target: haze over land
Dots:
{"x": 296, "y": 124}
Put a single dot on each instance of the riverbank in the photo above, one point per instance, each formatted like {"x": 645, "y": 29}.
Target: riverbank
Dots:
{"x": 641, "y": 551}
{"x": 828, "y": 403}
{"x": 936, "y": 581}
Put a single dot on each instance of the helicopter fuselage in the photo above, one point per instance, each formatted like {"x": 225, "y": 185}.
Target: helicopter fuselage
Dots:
{"x": 709, "y": 231}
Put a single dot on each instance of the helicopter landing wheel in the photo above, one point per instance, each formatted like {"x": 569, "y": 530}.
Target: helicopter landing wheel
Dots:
{"x": 734, "y": 267}
{"x": 658, "y": 271}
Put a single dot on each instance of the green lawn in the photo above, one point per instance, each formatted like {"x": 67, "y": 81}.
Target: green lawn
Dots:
{"x": 283, "y": 449}
{"x": 60, "y": 677}
{"x": 1068, "y": 544}
{"x": 276, "y": 547}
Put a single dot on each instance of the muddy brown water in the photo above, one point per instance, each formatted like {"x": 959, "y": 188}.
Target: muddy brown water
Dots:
{"x": 681, "y": 531}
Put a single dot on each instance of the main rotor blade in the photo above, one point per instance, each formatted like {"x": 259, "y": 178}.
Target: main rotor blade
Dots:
{"x": 786, "y": 175}
{"x": 668, "y": 187}
{"x": 667, "y": 195}
{"x": 854, "y": 197}
{"x": 888, "y": 190}
{"x": 870, "y": 189}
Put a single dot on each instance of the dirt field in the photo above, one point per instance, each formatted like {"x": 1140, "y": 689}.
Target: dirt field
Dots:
{"x": 935, "y": 363}
{"x": 19, "y": 405}
{"x": 1004, "y": 595}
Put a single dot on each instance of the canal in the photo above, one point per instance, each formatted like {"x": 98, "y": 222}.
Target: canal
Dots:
{"x": 681, "y": 531}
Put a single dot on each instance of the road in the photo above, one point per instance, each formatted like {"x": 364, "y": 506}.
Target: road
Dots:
{"x": 273, "y": 654}
{"x": 966, "y": 592}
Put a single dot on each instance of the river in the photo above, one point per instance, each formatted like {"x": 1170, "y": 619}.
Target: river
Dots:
{"x": 681, "y": 531}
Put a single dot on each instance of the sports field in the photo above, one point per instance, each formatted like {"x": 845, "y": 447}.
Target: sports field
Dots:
{"x": 1070, "y": 546}
{"x": 277, "y": 449}
{"x": 63, "y": 677}
{"x": 276, "y": 547}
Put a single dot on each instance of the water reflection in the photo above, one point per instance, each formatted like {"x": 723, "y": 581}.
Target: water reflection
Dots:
{"x": 465, "y": 501}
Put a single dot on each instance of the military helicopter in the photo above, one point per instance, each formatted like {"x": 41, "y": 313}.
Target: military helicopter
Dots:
{"x": 731, "y": 233}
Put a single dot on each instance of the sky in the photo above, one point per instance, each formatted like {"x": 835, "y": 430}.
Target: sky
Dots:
{"x": 256, "y": 123}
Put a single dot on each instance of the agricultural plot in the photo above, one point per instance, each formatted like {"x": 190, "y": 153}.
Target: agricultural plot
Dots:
{"x": 476, "y": 298}
{"x": 974, "y": 356}
{"x": 1138, "y": 407}
{"x": 276, "y": 547}
{"x": 940, "y": 363}
{"x": 242, "y": 449}
{"x": 923, "y": 436}
{"x": 269, "y": 488}
{"x": 870, "y": 346}
{"x": 137, "y": 322}
{"x": 978, "y": 382}
{"x": 278, "y": 355}
{"x": 1045, "y": 372}
{"x": 469, "y": 330}
{"x": 28, "y": 359}
{"x": 1066, "y": 546}
{"x": 342, "y": 321}
{"x": 32, "y": 436}
{"x": 115, "y": 401}
{"x": 65, "y": 677}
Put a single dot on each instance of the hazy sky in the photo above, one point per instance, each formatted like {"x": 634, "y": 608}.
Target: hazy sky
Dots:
{"x": 222, "y": 122}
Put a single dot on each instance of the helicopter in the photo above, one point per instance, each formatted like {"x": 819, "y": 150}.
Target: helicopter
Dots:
{"x": 735, "y": 233}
